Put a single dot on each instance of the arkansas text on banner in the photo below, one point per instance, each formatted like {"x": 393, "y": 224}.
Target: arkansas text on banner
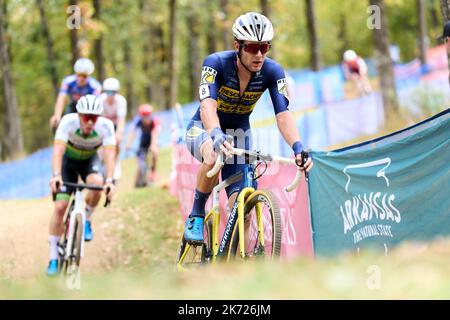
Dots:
{"x": 384, "y": 191}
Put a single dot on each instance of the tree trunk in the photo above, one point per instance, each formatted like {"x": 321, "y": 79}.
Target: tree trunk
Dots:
{"x": 423, "y": 38}
{"x": 128, "y": 62}
{"x": 226, "y": 29}
{"x": 342, "y": 34}
{"x": 211, "y": 34}
{"x": 2, "y": 140}
{"x": 315, "y": 59}
{"x": 265, "y": 10}
{"x": 146, "y": 69}
{"x": 49, "y": 44}
{"x": 173, "y": 56}
{"x": 98, "y": 45}
{"x": 144, "y": 6}
{"x": 435, "y": 20}
{"x": 445, "y": 8}
{"x": 74, "y": 38}
{"x": 384, "y": 64}
{"x": 12, "y": 128}
{"x": 193, "y": 53}
{"x": 161, "y": 78}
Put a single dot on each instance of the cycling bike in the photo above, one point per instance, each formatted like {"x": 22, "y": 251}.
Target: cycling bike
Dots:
{"x": 142, "y": 179}
{"x": 71, "y": 246}
{"x": 254, "y": 217}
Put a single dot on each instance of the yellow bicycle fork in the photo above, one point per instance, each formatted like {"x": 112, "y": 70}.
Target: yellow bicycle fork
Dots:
{"x": 214, "y": 214}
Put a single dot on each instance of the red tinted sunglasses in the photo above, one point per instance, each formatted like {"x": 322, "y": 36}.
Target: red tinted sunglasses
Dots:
{"x": 253, "y": 48}
{"x": 87, "y": 117}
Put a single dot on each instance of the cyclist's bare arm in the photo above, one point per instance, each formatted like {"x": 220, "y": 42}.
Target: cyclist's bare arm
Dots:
{"x": 109, "y": 154}
{"x": 210, "y": 120}
{"x": 131, "y": 138}
{"x": 58, "y": 151}
{"x": 208, "y": 114}
{"x": 286, "y": 125}
{"x": 61, "y": 101}
{"x": 288, "y": 128}
{"x": 120, "y": 127}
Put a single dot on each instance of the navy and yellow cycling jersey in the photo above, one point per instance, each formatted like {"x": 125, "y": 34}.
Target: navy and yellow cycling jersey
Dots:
{"x": 219, "y": 81}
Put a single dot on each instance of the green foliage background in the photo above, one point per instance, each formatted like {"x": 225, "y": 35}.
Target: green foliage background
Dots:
{"x": 341, "y": 25}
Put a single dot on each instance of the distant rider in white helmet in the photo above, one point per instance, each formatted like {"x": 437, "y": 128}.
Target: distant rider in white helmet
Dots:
{"x": 73, "y": 87}
{"x": 355, "y": 70}
{"x": 114, "y": 109}
{"x": 77, "y": 139}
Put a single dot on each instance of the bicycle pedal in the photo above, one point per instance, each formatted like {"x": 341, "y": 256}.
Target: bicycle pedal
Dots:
{"x": 61, "y": 251}
{"x": 196, "y": 244}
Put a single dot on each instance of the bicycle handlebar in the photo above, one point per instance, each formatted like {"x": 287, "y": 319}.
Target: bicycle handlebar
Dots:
{"x": 257, "y": 156}
{"x": 81, "y": 186}
{"x": 217, "y": 166}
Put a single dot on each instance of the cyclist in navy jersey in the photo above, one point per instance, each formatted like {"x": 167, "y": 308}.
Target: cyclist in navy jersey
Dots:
{"x": 73, "y": 87}
{"x": 231, "y": 83}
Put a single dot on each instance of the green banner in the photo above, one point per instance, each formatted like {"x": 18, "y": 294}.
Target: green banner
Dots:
{"x": 384, "y": 191}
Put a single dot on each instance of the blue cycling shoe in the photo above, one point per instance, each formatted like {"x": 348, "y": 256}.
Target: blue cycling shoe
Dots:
{"x": 88, "y": 234}
{"x": 52, "y": 268}
{"x": 193, "y": 230}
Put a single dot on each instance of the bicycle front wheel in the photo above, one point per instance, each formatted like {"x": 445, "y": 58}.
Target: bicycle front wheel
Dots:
{"x": 262, "y": 235}
{"x": 191, "y": 256}
{"x": 75, "y": 256}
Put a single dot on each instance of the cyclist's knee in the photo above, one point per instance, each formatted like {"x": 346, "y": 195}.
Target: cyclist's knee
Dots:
{"x": 94, "y": 179}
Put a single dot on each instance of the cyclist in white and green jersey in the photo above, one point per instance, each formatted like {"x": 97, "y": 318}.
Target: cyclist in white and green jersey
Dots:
{"x": 77, "y": 139}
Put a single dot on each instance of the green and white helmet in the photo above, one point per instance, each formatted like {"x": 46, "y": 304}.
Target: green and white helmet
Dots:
{"x": 253, "y": 26}
{"x": 90, "y": 104}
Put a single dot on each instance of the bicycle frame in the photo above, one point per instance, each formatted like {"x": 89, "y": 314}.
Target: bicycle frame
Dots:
{"x": 249, "y": 186}
{"x": 142, "y": 164}
{"x": 78, "y": 209}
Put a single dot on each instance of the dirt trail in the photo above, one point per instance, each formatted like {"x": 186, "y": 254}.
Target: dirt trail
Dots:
{"x": 24, "y": 247}
{"x": 24, "y": 244}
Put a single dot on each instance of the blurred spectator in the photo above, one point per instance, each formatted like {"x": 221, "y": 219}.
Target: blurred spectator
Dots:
{"x": 355, "y": 70}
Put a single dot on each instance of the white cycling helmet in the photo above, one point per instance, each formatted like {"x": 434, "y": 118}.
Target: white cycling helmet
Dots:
{"x": 350, "y": 55}
{"x": 253, "y": 26}
{"x": 90, "y": 104}
{"x": 111, "y": 84}
{"x": 84, "y": 66}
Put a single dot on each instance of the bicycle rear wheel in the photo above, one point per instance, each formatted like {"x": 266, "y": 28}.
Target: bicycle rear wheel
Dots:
{"x": 262, "y": 240}
{"x": 189, "y": 256}
{"x": 142, "y": 180}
